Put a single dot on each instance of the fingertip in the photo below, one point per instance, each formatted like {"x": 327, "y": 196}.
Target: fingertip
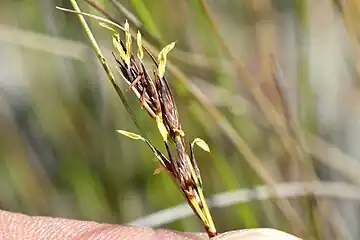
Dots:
{"x": 258, "y": 234}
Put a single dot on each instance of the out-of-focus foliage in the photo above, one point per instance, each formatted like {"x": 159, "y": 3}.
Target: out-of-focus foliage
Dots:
{"x": 60, "y": 154}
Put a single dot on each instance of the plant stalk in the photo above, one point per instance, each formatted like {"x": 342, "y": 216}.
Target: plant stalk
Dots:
{"x": 102, "y": 60}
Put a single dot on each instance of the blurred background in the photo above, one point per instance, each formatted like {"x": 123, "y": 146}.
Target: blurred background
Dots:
{"x": 271, "y": 85}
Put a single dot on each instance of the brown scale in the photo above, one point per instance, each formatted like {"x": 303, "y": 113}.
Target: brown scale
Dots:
{"x": 135, "y": 78}
{"x": 168, "y": 105}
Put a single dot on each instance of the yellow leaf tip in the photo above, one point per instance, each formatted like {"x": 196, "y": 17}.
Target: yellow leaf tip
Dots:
{"x": 126, "y": 25}
{"x": 201, "y": 143}
{"x": 129, "y": 134}
{"x": 140, "y": 53}
{"x": 162, "y": 58}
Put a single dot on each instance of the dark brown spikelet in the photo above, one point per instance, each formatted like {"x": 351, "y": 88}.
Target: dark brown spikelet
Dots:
{"x": 168, "y": 106}
{"x": 140, "y": 83}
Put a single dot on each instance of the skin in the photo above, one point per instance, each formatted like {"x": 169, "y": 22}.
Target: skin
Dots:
{"x": 19, "y": 226}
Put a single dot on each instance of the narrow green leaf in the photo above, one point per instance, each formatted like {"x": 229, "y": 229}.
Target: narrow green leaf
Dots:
{"x": 107, "y": 26}
{"x": 101, "y": 19}
{"x": 162, "y": 57}
{"x": 201, "y": 143}
{"x": 162, "y": 159}
{"x": 130, "y": 135}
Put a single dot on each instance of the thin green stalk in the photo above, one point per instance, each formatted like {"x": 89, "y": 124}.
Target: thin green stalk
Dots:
{"x": 106, "y": 67}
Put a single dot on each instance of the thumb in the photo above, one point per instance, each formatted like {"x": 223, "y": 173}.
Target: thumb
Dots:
{"x": 19, "y": 226}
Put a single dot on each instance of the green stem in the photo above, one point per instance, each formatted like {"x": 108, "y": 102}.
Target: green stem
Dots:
{"x": 106, "y": 67}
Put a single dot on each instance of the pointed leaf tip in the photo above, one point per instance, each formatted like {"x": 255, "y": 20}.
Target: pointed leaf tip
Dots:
{"x": 119, "y": 48}
{"x": 166, "y": 50}
{"x": 140, "y": 53}
{"x": 128, "y": 39}
{"x": 162, "y": 58}
{"x": 201, "y": 143}
{"x": 104, "y": 25}
{"x": 126, "y": 25}
{"x": 130, "y": 134}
